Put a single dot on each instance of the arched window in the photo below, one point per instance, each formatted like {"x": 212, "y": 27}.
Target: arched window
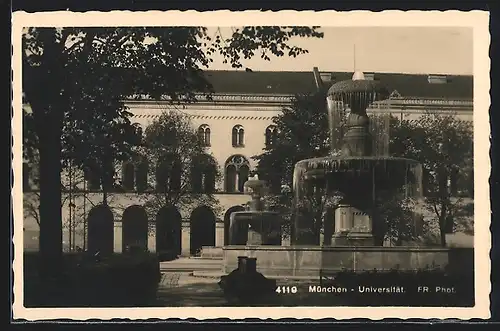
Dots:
{"x": 203, "y": 173}
{"x": 141, "y": 175}
{"x": 238, "y": 136}
{"x": 237, "y": 170}
{"x": 92, "y": 179}
{"x": 168, "y": 175}
{"x": 204, "y": 134}
{"x": 271, "y": 135}
{"x": 128, "y": 176}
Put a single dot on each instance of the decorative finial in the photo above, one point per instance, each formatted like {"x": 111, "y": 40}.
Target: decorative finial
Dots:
{"x": 354, "y": 58}
{"x": 358, "y": 75}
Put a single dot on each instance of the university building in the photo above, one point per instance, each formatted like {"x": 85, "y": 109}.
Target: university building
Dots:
{"x": 235, "y": 125}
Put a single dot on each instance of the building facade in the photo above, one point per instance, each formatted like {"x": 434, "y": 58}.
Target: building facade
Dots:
{"x": 235, "y": 125}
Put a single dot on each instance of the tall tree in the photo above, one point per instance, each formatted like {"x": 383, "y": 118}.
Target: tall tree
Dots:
{"x": 302, "y": 133}
{"x": 444, "y": 145}
{"x": 184, "y": 173}
{"x": 65, "y": 68}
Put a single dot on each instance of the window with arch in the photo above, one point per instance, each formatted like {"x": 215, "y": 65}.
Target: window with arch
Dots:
{"x": 93, "y": 181}
{"x": 237, "y": 169}
{"x": 135, "y": 175}
{"x": 141, "y": 175}
{"x": 203, "y": 174}
{"x": 204, "y": 134}
{"x": 271, "y": 135}
{"x": 128, "y": 175}
{"x": 238, "y": 136}
{"x": 168, "y": 175}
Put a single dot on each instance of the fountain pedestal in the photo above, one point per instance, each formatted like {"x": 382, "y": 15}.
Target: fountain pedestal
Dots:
{"x": 352, "y": 227}
{"x": 255, "y": 226}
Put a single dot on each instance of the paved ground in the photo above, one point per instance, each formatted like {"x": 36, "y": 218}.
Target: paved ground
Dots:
{"x": 179, "y": 289}
{"x": 184, "y": 264}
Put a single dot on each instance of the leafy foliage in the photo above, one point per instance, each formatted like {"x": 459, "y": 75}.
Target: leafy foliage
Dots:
{"x": 266, "y": 40}
{"x": 76, "y": 79}
{"x": 302, "y": 133}
{"x": 441, "y": 142}
{"x": 444, "y": 146}
{"x": 186, "y": 175}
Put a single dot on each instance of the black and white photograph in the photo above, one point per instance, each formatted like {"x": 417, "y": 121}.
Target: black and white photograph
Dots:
{"x": 211, "y": 165}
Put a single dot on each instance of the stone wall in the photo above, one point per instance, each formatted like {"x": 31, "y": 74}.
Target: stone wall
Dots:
{"x": 310, "y": 260}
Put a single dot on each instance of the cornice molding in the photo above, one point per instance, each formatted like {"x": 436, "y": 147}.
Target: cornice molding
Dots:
{"x": 209, "y": 117}
{"x": 264, "y": 102}
{"x": 153, "y": 105}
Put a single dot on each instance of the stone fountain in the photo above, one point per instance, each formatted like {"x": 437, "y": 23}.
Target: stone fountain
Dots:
{"x": 357, "y": 175}
{"x": 255, "y": 226}
{"x": 252, "y": 227}
{"x": 356, "y": 172}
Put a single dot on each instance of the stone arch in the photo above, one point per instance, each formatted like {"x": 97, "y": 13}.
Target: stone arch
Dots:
{"x": 100, "y": 230}
{"x": 227, "y": 222}
{"x": 236, "y": 172}
{"x": 134, "y": 228}
{"x": 202, "y": 229}
{"x": 168, "y": 232}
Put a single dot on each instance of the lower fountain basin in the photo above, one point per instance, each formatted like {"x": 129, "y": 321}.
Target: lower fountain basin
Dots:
{"x": 255, "y": 228}
{"x": 311, "y": 261}
{"x": 358, "y": 175}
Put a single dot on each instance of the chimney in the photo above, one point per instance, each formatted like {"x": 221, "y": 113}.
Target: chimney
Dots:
{"x": 317, "y": 78}
{"x": 437, "y": 79}
{"x": 370, "y": 76}
{"x": 326, "y": 77}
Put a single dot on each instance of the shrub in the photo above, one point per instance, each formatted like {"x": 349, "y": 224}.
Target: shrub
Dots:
{"x": 88, "y": 280}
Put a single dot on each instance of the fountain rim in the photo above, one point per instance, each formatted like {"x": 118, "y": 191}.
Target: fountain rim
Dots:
{"x": 256, "y": 212}
{"x": 358, "y": 158}
{"x": 257, "y": 182}
{"x": 353, "y": 86}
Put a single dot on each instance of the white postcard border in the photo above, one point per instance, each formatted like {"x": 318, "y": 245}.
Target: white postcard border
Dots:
{"x": 478, "y": 20}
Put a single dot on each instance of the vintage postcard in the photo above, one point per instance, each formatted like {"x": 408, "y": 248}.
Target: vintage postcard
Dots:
{"x": 251, "y": 165}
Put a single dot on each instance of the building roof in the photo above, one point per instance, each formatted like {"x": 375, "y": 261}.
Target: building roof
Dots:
{"x": 288, "y": 82}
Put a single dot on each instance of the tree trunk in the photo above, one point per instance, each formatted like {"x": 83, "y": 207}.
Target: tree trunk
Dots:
{"x": 50, "y": 242}
{"x": 442, "y": 233}
{"x": 442, "y": 224}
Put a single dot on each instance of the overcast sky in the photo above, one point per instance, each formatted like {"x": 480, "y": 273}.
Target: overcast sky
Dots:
{"x": 423, "y": 50}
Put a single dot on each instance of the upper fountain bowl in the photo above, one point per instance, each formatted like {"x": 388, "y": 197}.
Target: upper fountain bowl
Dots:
{"x": 358, "y": 86}
{"x": 255, "y": 186}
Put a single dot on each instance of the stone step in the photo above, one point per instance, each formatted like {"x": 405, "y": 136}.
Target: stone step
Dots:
{"x": 191, "y": 264}
{"x": 208, "y": 252}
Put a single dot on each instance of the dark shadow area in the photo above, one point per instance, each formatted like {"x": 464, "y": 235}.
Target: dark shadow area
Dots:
{"x": 202, "y": 226}
{"x": 227, "y": 222}
{"x": 192, "y": 295}
{"x": 168, "y": 233}
{"x": 427, "y": 286}
{"x": 134, "y": 228}
{"x": 100, "y": 227}
{"x": 423, "y": 288}
{"x": 118, "y": 280}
